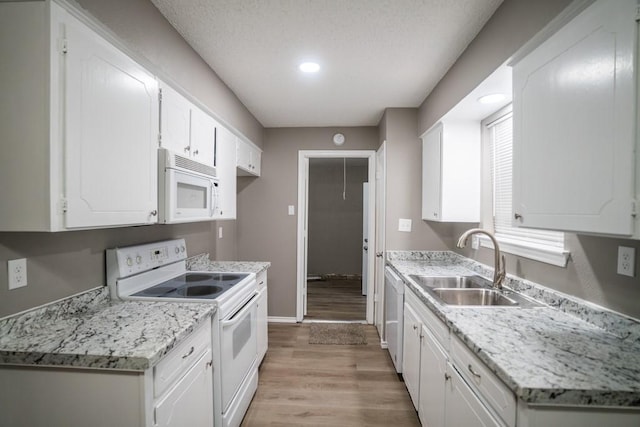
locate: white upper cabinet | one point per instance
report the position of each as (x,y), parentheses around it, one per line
(575,115)
(78,126)
(451,172)
(249,159)
(186,129)
(226,168)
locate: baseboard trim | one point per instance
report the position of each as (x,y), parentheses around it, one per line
(277,319)
(383,344)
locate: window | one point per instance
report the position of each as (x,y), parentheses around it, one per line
(541,245)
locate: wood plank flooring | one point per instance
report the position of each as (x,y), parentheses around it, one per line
(302,384)
(335,300)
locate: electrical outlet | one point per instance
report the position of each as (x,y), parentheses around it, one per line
(404,225)
(626,261)
(219,232)
(17,272)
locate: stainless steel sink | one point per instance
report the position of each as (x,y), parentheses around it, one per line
(450,281)
(470,291)
(481,297)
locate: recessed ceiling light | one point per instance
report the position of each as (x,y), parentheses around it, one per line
(491,99)
(309,67)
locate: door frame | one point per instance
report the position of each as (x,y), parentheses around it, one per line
(302,234)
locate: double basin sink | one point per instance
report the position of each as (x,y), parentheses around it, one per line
(469,291)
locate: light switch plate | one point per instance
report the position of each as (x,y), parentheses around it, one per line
(219,232)
(17,272)
(404,225)
(292,210)
(626,261)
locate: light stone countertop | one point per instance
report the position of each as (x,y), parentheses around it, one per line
(567,352)
(91,331)
(202,263)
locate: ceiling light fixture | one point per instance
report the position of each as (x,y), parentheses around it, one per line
(309,67)
(491,99)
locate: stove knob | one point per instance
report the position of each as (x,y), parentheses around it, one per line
(182,248)
(138,259)
(177,250)
(129,261)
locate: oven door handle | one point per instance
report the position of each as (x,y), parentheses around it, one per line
(237,316)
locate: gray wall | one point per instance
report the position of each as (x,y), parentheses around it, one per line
(591,271)
(335,224)
(399,128)
(62,264)
(265,232)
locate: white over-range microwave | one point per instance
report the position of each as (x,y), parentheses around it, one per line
(188,190)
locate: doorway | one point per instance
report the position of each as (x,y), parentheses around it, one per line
(335,265)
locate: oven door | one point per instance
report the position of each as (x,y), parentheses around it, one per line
(239,348)
(188,197)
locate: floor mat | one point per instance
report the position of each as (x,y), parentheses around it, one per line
(337,333)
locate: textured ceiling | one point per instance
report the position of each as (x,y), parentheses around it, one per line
(374,54)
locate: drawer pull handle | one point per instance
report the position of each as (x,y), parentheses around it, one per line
(475,374)
(415,327)
(447,377)
(191,352)
(209,363)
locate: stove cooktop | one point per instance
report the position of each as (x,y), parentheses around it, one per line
(199,285)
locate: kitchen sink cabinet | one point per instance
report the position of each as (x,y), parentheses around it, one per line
(249,159)
(178,391)
(433,380)
(186,129)
(575,115)
(451,172)
(79,125)
(443,395)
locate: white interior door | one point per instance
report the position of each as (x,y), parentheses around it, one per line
(380,189)
(365,236)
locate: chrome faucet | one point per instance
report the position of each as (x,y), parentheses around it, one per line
(498,267)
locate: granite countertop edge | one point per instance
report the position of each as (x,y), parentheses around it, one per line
(410,262)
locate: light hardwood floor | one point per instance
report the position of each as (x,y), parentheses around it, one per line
(335,300)
(304,384)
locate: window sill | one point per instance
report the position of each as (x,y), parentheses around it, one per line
(548,255)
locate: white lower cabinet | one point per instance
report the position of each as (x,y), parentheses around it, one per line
(263,324)
(463,407)
(442,396)
(433,376)
(177,392)
(189,402)
(411,353)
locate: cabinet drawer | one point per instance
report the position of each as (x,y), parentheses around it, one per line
(490,389)
(174,364)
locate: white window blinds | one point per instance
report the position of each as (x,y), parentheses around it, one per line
(500,133)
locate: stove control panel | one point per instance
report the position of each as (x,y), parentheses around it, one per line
(125,262)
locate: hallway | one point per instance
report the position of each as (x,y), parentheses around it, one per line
(304,384)
(336,300)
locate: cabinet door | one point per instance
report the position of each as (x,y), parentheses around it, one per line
(175,121)
(574,124)
(243,155)
(226,169)
(432,174)
(411,354)
(463,408)
(190,402)
(111,134)
(203,136)
(262,324)
(433,367)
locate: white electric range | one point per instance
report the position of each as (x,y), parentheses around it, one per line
(157,272)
